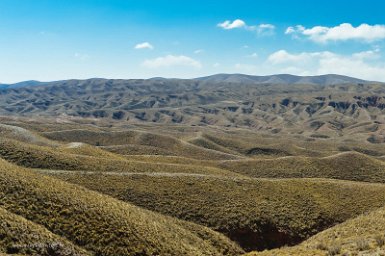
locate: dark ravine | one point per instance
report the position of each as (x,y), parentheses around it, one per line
(268,236)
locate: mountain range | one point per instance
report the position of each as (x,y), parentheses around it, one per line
(239,78)
(281,79)
(318,105)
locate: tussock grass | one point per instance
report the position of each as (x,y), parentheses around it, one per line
(101,224)
(345,166)
(170,160)
(207,143)
(261,190)
(21,236)
(76,148)
(62,158)
(165,143)
(22,134)
(258,214)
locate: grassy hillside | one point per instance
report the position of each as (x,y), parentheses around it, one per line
(22,134)
(223,143)
(21,236)
(101,224)
(261,190)
(118,141)
(345,166)
(257,214)
(91,159)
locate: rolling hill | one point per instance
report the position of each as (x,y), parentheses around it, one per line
(256,213)
(94,222)
(219,165)
(263,200)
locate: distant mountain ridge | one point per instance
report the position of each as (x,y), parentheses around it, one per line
(22,84)
(329,79)
(282,79)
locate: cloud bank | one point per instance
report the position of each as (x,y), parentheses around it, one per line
(343,32)
(172,61)
(358,64)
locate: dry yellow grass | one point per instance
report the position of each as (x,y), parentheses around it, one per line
(204,175)
(91,159)
(345,166)
(100,224)
(257,214)
(21,236)
(79,148)
(117,142)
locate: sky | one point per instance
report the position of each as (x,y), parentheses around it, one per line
(50,40)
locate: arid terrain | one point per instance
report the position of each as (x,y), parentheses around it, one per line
(220,165)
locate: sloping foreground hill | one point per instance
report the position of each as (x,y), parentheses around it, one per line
(22,236)
(345,166)
(363,235)
(100,224)
(258,214)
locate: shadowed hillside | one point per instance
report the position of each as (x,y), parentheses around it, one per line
(362,235)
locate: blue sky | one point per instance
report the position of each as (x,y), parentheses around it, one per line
(53,40)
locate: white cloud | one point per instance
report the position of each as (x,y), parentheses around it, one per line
(358,64)
(144,45)
(265,29)
(267,26)
(216,65)
(296,29)
(199,51)
(253,55)
(290,30)
(282,56)
(351,67)
(261,29)
(368,55)
(171,61)
(232,24)
(343,32)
